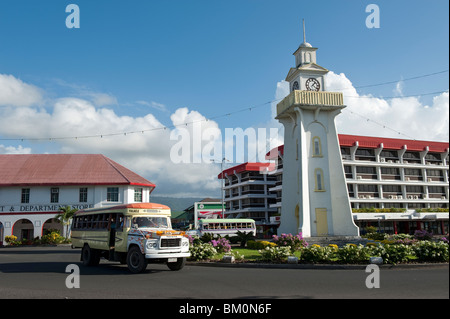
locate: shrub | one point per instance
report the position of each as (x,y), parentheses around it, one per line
(422,235)
(251,244)
(12,240)
(202,251)
(375,236)
(317,254)
(275,253)
(222,245)
(294,242)
(353,254)
(52,238)
(396,253)
(432,251)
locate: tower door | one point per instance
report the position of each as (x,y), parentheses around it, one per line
(321,222)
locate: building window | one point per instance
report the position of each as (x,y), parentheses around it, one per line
(112,194)
(317,147)
(318,174)
(83,195)
(25,196)
(138,195)
(54,195)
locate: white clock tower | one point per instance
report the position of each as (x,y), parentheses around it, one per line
(315,199)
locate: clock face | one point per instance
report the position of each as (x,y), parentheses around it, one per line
(295,86)
(312,84)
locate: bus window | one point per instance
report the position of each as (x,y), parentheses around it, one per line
(150,222)
(89,222)
(120,220)
(104,222)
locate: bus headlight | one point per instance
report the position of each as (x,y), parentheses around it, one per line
(185,242)
(151,244)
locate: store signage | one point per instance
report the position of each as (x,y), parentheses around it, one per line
(40,208)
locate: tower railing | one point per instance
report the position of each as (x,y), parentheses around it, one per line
(320,98)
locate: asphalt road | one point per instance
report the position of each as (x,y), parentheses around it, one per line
(40,272)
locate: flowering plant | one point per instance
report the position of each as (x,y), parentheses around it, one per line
(222,245)
(422,235)
(202,251)
(317,254)
(294,242)
(275,253)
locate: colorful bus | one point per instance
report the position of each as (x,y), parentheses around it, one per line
(133,234)
(224,227)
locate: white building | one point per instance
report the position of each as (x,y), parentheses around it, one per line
(408,177)
(247,195)
(34,187)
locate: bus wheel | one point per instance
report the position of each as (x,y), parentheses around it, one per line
(136,260)
(179,264)
(90,257)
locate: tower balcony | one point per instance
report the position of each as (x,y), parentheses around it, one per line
(311,100)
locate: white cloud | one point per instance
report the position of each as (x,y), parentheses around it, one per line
(154,105)
(401,117)
(102,99)
(145,148)
(14,92)
(14,150)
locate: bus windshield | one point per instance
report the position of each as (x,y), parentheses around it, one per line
(150,222)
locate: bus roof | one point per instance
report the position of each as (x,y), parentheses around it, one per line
(226,220)
(146,206)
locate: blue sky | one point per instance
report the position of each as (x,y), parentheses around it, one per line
(137,58)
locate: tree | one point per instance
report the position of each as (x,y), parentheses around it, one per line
(244,237)
(65,215)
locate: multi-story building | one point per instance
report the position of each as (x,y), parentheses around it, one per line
(34,187)
(397,185)
(247,195)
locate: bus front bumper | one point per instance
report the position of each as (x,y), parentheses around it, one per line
(167,255)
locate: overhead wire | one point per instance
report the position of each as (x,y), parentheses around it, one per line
(102,135)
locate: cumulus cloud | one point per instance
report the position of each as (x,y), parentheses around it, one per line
(182,159)
(14,92)
(400,117)
(140,143)
(14,150)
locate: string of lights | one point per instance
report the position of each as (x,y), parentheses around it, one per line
(104,135)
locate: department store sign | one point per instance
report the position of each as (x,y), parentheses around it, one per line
(40,208)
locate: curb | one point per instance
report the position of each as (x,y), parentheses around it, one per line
(313,266)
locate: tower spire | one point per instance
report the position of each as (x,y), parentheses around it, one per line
(304,33)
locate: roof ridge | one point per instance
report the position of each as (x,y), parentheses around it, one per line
(110,162)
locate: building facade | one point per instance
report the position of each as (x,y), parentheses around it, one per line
(247,195)
(34,187)
(396,185)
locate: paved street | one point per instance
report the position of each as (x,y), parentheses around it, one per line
(39,272)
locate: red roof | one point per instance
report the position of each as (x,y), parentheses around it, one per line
(127,206)
(388,143)
(65,169)
(247,167)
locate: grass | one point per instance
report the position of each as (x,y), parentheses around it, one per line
(249,254)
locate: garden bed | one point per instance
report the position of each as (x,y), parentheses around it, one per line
(397,249)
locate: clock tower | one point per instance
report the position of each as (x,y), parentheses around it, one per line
(315,200)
